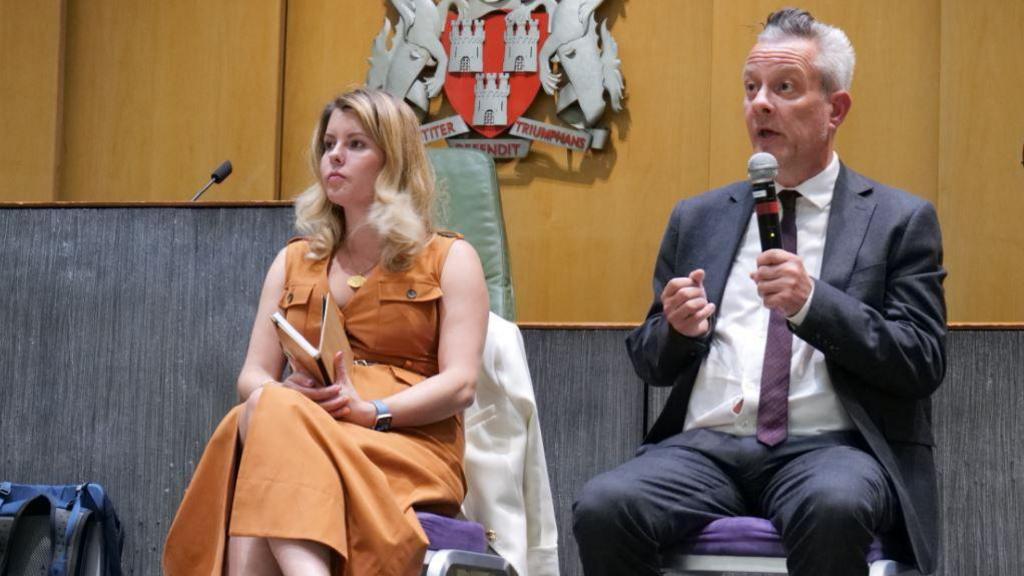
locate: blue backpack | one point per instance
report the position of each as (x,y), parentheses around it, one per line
(68,530)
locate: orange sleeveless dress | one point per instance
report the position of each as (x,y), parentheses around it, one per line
(304,475)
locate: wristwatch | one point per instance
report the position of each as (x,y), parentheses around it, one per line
(383,421)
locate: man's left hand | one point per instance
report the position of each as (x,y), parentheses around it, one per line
(782,281)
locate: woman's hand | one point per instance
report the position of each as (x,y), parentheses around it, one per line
(328,397)
(346,404)
(340,399)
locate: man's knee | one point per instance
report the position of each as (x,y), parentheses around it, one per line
(848,489)
(829,511)
(829,530)
(840,506)
(600,504)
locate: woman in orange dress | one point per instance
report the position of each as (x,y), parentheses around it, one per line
(303,479)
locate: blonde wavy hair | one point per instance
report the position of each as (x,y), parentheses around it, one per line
(404,193)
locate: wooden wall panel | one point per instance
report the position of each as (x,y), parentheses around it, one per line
(584,229)
(327,51)
(891,133)
(31,34)
(159,93)
(981,180)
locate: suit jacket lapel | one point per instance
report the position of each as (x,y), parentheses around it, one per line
(852,208)
(851,212)
(727,228)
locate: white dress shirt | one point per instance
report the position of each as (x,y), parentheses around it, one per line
(726,393)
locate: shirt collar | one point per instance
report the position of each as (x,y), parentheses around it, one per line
(818,189)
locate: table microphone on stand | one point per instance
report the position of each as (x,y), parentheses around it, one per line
(218,176)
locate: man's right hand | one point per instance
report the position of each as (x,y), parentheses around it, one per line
(686,306)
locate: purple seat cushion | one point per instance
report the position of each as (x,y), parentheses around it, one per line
(747,536)
(452,534)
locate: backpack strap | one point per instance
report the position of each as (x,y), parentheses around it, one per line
(59,520)
(7,524)
(21,533)
(110,524)
(69,539)
(70,523)
(6,527)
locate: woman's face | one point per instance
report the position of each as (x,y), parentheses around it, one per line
(350,163)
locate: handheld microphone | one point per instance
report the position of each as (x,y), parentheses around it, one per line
(762,169)
(218,176)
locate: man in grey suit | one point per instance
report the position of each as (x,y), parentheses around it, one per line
(801,376)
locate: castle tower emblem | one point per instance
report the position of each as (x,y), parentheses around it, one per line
(467,51)
(492,58)
(491,95)
(521,38)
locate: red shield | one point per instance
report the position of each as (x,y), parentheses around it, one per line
(523,86)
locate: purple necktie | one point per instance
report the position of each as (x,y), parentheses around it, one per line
(773,407)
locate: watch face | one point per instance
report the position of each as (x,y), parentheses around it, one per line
(383,421)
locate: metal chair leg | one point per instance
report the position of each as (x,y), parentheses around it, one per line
(891,568)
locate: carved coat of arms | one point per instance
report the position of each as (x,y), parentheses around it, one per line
(491,58)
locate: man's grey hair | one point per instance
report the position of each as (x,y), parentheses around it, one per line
(836,58)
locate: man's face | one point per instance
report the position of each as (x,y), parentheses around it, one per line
(787,111)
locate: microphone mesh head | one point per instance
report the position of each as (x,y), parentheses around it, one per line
(222,172)
(762,166)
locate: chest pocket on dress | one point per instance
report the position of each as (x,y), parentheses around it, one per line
(409,315)
(294,305)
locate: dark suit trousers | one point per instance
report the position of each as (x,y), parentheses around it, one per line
(826,495)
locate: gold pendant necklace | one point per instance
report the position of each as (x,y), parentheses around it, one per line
(355,281)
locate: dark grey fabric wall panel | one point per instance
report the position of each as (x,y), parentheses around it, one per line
(979,421)
(590,406)
(979,424)
(124,329)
